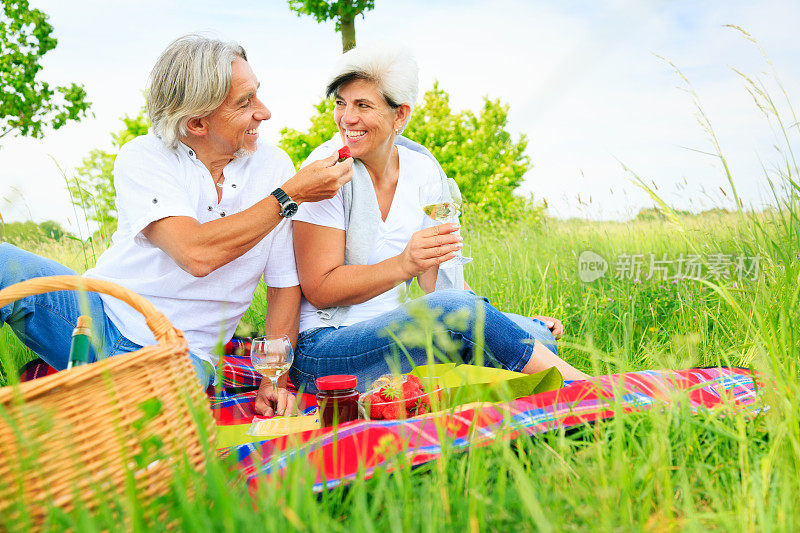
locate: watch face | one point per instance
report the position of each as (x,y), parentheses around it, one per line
(289,209)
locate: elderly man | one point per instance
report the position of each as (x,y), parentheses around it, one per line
(202,207)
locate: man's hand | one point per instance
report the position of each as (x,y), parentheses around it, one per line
(270,402)
(319,180)
(553,324)
(430,247)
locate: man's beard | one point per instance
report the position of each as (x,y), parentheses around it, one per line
(243,152)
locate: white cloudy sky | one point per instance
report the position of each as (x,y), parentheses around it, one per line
(581,77)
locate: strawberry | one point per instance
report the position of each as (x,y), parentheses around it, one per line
(425,400)
(344,153)
(390,392)
(421,410)
(394,411)
(376,411)
(411,393)
(410,390)
(415,380)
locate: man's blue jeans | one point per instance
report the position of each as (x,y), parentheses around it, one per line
(44,322)
(366,350)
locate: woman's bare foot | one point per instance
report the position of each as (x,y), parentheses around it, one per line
(542,359)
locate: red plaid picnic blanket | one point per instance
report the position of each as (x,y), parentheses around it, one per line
(337,457)
(365,445)
(229,405)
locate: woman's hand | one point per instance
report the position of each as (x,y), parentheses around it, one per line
(430,247)
(553,324)
(271,402)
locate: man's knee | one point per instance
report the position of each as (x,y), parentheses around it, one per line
(18,265)
(8,253)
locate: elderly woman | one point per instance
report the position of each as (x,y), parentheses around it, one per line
(354,250)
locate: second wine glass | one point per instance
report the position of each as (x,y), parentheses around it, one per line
(272,357)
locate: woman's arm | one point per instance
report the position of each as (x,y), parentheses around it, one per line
(328,282)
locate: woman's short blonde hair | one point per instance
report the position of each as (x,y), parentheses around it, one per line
(392,68)
(190,79)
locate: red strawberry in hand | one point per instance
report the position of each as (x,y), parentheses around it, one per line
(344,153)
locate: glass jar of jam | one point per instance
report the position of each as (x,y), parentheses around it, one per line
(337,399)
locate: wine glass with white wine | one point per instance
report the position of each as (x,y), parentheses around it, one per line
(441,200)
(272,357)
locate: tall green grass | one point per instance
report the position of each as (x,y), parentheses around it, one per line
(658,470)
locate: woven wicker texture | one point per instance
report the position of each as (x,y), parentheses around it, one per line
(75,435)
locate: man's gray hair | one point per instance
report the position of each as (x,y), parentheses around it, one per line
(191,79)
(392,68)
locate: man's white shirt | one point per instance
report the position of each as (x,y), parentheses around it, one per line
(153,182)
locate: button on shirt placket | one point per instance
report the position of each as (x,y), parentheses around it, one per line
(227,206)
(209,188)
(228,203)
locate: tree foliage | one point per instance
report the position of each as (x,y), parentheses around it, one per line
(92,189)
(28,105)
(29,231)
(344,12)
(299,144)
(474,149)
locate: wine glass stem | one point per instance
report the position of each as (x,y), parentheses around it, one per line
(274,381)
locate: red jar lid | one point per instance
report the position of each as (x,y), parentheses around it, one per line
(338,382)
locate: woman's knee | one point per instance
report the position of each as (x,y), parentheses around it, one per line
(536,329)
(454,300)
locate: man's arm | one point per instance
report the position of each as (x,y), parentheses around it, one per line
(200,249)
(283,312)
(283,318)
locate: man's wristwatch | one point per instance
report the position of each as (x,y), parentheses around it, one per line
(288,206)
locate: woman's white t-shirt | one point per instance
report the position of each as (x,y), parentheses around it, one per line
(404,218)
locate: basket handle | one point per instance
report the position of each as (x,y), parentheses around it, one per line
(163,330)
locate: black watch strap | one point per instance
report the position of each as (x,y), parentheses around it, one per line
(288,206)
(281,195)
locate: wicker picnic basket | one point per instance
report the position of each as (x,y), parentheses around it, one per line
(73,438)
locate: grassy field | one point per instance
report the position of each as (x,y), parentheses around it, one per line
(662,303)
(660,470)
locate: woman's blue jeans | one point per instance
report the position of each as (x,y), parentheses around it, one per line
(369,349)
(44,322)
